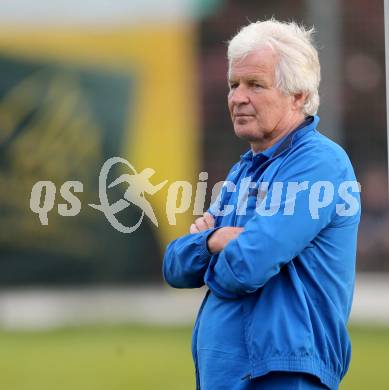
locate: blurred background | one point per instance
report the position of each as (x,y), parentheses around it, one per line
(82,305)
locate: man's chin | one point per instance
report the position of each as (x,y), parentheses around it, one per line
(246,134)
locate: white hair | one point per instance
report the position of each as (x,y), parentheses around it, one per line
(297,69)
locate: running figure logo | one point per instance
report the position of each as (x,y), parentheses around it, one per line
(138,185)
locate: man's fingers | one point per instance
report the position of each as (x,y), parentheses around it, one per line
(193,229)
(209,219)
(201,224)
(221,237)
(235,232)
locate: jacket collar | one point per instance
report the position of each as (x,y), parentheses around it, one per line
(310,123)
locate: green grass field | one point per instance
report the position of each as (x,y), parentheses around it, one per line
(140,358)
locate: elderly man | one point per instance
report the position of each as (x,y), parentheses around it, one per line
(277,248)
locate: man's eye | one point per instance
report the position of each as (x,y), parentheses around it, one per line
(233,85)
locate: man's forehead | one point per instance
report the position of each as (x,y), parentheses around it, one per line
(259,63)
(249,72)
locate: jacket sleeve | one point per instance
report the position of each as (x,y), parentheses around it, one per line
(269,242)
(186,260)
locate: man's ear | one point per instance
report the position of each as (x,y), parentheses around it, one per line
(299,100)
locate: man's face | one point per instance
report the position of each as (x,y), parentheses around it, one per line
(259,111)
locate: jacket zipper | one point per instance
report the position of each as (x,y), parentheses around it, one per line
(246,377)
(194,340)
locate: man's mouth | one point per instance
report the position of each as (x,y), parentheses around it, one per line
(242,115)
(242,119)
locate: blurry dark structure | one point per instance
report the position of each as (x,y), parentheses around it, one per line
(61,123)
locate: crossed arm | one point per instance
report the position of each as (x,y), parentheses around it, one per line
(186,259)
(220,237)
(234,262)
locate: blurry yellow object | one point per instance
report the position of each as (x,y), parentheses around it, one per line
(162,130)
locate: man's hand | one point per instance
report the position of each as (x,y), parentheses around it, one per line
(203,223)
(221,237)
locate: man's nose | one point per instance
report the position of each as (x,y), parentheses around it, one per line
(239,95)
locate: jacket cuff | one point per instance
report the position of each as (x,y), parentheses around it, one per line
(204,250)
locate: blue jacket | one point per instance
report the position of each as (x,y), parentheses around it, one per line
(285,284)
